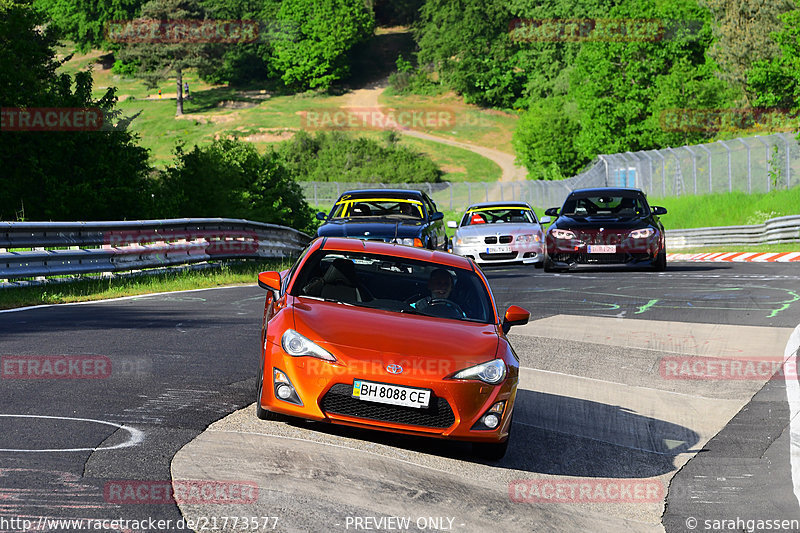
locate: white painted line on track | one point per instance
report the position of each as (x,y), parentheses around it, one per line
(121,298)
(136,436)
(793,396)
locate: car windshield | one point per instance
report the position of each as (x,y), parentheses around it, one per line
(615,205)
(349,207)
(394,284)
(498,215)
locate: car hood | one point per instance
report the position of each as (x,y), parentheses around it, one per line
(370,228)
(427,347)
(605,222)
(479,230)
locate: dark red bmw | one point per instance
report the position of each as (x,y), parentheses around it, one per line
(604,227)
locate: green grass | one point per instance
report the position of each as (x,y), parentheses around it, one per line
(728,209)
(458,164)
(100,289)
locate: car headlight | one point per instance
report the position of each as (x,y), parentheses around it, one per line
(641,233)
(409,241)
(527,238)
(562,234)
(468,240)
(491,372)
(298,346)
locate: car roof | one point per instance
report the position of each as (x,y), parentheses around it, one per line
(360,193)
(498,204)
(607,190)
(396,250)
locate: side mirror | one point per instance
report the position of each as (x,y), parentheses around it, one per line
(545,220)
(322,216)
(436,216)
(515,316)
(552,212)
(452,224)
(270,281)
(658,210)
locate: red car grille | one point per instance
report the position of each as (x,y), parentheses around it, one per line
(339,400)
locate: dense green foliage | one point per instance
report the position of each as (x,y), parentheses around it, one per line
(229,178)
(335,156)
(315,38)
(85,22)
(58,175)
(776,82)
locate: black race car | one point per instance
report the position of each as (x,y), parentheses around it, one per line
(391,215)
(605,226)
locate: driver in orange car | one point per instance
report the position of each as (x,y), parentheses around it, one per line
(440,284)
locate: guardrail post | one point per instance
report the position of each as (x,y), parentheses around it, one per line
(766,157)
(749,170)
(730,178)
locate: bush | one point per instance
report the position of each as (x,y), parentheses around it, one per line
(335,156)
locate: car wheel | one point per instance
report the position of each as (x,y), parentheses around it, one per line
(263,414)
(491,451)
(660,264)
(548,266)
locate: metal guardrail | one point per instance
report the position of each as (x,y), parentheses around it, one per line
(773,231)
(73,248)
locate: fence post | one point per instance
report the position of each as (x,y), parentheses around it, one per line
(338,193)
(730,178)
(649,168)
(749,172)
(710,185)
(663,174)
(788,160)
(450,186)
(486,186)
(694,167)
(605,162)
(316,202)
(766,157)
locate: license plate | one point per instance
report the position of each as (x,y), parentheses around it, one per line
(498,249)
(602,248)
(391,394)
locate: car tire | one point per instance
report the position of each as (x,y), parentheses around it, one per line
(547,265)
(261,413)
(660,263)
(490,451)
(540,264)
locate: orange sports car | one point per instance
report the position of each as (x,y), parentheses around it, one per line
(389,337)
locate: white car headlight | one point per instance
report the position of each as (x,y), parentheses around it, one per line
(298,346)
(642,233)
(491,372)
(469,239)
(528,238)
(562,234)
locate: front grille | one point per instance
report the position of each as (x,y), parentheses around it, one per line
(498,257)
(339,400)
(504,239)
(600,259)
(596,237)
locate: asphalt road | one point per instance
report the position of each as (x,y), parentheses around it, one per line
(592,406)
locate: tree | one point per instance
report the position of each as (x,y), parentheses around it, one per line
(168,54)
(315,38)
(544,139)
(229,178)
(61,175)
(742,37)
(776,82)
(85,22)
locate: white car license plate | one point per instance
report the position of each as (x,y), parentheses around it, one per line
(602,248)
(498,249)
(391,394)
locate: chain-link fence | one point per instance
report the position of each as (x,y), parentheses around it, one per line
(749,164)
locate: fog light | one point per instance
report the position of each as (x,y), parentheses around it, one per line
(491,421)
(284,391)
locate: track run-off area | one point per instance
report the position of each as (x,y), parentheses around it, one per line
(647,402)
